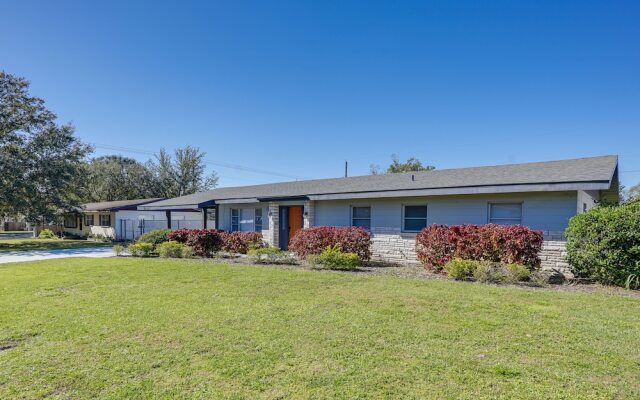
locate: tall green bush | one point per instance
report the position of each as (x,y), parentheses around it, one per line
(155,237)
(604,243)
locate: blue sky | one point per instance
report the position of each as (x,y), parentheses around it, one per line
(298,87)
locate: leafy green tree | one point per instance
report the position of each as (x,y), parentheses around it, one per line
(181,174)
(396,166)
(633,194)
(119,178)
(41,162)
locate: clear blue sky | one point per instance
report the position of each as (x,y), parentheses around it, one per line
(298,87)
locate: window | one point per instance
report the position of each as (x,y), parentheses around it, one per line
(70,221)
(415,218)
(88,220)
(235,219)
(361,217)
(505,213)
(258,220)
(105,220)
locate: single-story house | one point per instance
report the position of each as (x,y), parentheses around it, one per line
(121,220)
(395,207)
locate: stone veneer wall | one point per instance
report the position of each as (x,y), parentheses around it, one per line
(393,246)
(554,256)
(272,234)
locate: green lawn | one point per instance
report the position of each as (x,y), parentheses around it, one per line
(151,328)
(7,245)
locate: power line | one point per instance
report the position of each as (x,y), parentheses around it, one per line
(222,164)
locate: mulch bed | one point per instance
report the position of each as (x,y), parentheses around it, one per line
(417,272)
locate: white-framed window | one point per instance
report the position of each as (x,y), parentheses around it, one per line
(70,221)
(105,219)
(88,220)
(361,217)
(505,213)
(414,218)
(257,220)
(235,219)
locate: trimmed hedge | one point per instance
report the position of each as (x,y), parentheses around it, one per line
(155,237)
(173,249)
(140,249)
(240,242)
(204,242)
(47,234)
(486,271)
(333,258)
(311,241)
(438,244)
(604,244)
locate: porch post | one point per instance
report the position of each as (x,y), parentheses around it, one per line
(168,214)
(204,217)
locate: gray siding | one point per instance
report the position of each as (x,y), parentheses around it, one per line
(544,211)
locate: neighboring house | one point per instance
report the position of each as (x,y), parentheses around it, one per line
(394,207)
(121,220)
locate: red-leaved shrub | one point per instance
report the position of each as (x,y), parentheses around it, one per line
(204,242)
(437,244)
(348,239)
(240,242)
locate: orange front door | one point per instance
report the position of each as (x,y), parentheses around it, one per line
(295,220)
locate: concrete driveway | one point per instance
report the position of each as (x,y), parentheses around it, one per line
(35,255)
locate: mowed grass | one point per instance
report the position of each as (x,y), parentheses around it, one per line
(151,328)
(21,244)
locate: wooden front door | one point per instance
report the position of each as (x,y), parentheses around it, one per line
(295,220)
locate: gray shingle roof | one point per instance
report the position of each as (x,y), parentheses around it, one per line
(592,170)
(117,205)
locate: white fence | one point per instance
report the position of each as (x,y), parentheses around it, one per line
(131,229)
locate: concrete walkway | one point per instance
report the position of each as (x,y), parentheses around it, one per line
(35,255)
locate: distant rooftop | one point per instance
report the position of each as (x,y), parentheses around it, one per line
(117,205)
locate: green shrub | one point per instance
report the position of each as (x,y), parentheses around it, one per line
(140,249)
(461,270)
(271,255)
(155,237)
(187,252)
(493,272)
(632,282)
(118,249)
(518,272)
(488,272)
(47,234)
(98,237)
(172,249)
(604,243)
(333,258)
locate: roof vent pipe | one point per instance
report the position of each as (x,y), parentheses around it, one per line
(413,178)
